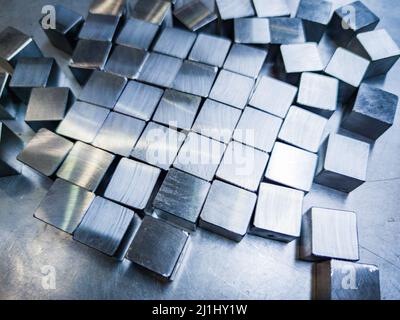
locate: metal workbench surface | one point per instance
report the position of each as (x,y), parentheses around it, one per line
(214,268)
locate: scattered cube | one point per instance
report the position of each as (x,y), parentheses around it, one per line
(153,11)
(175,42)
(108,7)
(286,31)
(301,57)
(232,9)
(10,146)
(194,15)
(252,31)
(99,27)
(137,34)
(201,50)
(271,8)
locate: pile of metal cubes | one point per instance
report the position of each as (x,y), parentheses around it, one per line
(178,126)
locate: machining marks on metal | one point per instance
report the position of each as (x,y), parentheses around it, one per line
(201,50)
(194,15)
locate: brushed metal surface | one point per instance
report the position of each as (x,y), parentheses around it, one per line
(175,42)
(245,60)
(303,129)
(138,100)
(64,205)
(158,247)
(292,167)
(103,89)
(227,210)
(160,70)
(181,198)
(200,156)
(327,48)
(252,31)
(10,146)
(232,89)
(329,234)
(231,9)
(201,50)
(153,11)
(195,78)
(137,34)
(301,57)
(119,134)
(257,129)
(99,27)
(194,15)
(177,109)
(90,54)
(278,213)
(45,152)
(107,7)
(83,121)
(273,96)
(9,103)
(271,8)
(286,30)
(104,226)
(85,166)
(216,120)
(158,145)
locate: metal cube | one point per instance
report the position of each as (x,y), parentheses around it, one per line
(201,50)
(181,198)
(327,48)
(99,27)
(9,103)
(278,213)
(329,234)
(154,11)
(45,152)
(343,280)
(227,210)
(252,31)
(137,34)
(175,42)
(342,163)
(232,9)
(373,112)
(303,57)
(286,31)
(10,146)
(108,7)
(64,206)
(194,15)
(272,8)
(245,60)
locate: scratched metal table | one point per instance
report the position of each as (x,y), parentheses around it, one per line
(214,268)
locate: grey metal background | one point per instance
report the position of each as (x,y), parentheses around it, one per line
(214,268)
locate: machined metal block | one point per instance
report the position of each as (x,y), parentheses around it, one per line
(245,60)
(216,120)
(201,50)
(257,129)
(138,100)
(301,57)
(316,16)
(47,107)
(271,8)
(103,89)
(194,15)
(99,27)
(119,134)
(252,31)
(200,156)
(342,163)
(329,234)
(34,73)
(132,183)
(350,20)
(175,42)
(10,146)
(232,89)
(159,247)
(177,109)
(65,34)
(350,69)
(303,129)
(318,93)
(378,47)
(126,61)
(137,34)
(14,45)
(243,166)
(286,30)
(181,198)
(83,121)
(343,280)
(9,103)
(278,213)
(160,70)
(292,167)
(273,96)
(85,166)
(89,55)
(228,210)
(104,226)
(158,145)
(154,11)
(195,78)
(45,152)
(108,7)
(373,112)
(232,9)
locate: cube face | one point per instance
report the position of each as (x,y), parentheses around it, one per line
(107,7)
(194,15)
(286,30)
(315,11)
(273,96)
(228,210)
(64,205)
(138,100)
(232,9)
(278,213)
(201,50)
(99,27)
(153,11)
(181,198)
(292,167)
(45,160)
(10,146)
(90,54)
(158,247)
(85,166)
(301,57)
(175,42)
(252,31)
(329,234)
(137,34)
(104,226)
(272,8)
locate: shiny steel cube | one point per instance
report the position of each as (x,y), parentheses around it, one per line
(303,57)
(10,146)
(271,8)
(108,7)
(194,15)
(286,31)
(154,11)
(175,42)
(232,9)
(252,31)
(99,27)
(137,34)
(201,50)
